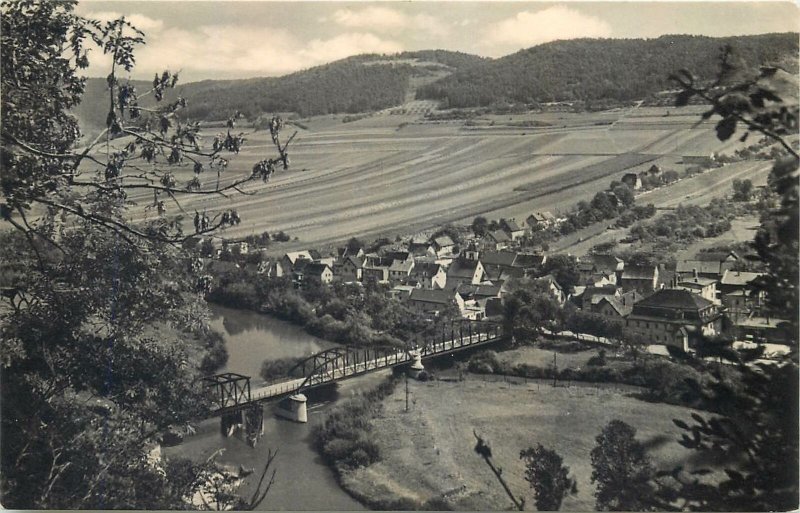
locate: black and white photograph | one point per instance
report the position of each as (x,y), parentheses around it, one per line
(399,255)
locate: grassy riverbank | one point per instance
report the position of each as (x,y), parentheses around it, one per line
(427,459)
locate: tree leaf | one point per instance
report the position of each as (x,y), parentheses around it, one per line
(725,128)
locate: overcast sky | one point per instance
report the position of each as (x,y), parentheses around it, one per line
(232,39)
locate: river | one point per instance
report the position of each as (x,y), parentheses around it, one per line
(302,482)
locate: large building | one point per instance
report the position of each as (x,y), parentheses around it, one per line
(674,317)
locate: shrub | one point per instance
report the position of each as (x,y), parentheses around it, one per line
(599,360)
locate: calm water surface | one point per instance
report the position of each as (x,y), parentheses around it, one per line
(302,481)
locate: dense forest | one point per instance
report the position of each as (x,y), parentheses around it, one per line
(600,69)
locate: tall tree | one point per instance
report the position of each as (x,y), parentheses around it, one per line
(102,333)
(621,469)
(548,476)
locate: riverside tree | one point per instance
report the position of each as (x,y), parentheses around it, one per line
(103,323)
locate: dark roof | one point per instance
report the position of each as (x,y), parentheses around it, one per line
(528,260)
(357,262)
(675,299)
(607,262)
(639,272)
(462,268)
(701,266)
(607,290)
(616,304)
(512,226)
(315,268)
(426,269)
(397,255)
(716,256)
(443,297)
(499,236)
(500,258)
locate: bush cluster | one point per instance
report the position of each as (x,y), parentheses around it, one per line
(343,439)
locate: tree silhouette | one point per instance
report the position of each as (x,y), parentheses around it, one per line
(548,476)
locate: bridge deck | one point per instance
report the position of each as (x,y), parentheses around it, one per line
(341,369)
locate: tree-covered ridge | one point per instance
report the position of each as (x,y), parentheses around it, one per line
(360,83)
(601,69)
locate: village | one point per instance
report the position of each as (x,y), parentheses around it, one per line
(458,272)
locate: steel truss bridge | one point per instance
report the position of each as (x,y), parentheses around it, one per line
(231,392)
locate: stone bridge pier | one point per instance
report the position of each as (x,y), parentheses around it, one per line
(293,408)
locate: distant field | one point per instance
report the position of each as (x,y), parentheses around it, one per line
(395,174)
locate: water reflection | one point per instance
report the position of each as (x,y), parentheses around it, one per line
(252,338)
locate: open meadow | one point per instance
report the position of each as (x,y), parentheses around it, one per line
(427,452)
(390,174)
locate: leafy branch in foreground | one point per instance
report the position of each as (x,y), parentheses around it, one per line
(104,332)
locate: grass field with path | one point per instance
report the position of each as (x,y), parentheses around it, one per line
(428,451)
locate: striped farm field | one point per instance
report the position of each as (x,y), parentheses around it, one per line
(397,174)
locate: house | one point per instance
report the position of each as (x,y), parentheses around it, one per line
(737,280)
(499,275)
(497,240)
(434,301)
(317,272)
(529,261)
(601,279)
(400,292)
(290,259)
(400,269)
(429,275)
(443,245)
(703,268)
(540,220)
(632,180)
(617,307)
(705,287)
(555,289)
(607,263)
(737,295)
(514,230)
(674,317)
(464,271)
(643,279)
(351,269)
(274,269)
(590,296)
(376,267)
(498,258)
(763,330)
(344,252)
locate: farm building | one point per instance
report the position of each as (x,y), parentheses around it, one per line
(539,220)
(350,269)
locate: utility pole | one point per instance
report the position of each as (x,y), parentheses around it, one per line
(555,369)
(406,392)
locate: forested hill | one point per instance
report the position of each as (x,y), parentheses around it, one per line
(600,69)
(356,84)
